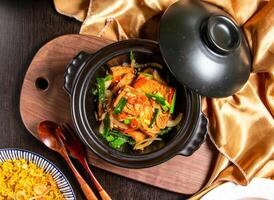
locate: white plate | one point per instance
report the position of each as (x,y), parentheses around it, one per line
(257,189)
(62,182)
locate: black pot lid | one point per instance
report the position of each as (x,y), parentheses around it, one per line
(204,48)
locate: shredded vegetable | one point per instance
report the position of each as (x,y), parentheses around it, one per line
(176,121)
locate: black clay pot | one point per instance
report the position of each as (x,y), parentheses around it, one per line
(80,79)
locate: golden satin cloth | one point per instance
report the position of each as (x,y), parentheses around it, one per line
(242,125)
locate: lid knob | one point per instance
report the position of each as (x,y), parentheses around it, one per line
(222,35)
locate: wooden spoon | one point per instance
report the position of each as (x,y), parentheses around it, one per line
(77,150)
(47,133)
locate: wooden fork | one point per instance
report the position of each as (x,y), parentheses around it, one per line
(78,150)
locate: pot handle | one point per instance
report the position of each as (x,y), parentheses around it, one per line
(197,138)
(73,68)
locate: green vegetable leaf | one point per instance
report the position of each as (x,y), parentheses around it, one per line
(106,126)
(109,138)
(164,131)
(131,142)
(118,134)
(108,77)
(117,143)
(95,92)
(119,139)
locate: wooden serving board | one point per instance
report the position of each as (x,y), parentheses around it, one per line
(43,98)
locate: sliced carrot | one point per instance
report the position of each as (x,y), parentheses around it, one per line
(129,130)
(152,102)
(131,100)
(134,123)
(140,81)
(122,116)
(141,99)
(170,95)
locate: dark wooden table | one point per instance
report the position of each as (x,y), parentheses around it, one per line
(24,27)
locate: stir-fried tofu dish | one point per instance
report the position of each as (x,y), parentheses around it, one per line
(135,105)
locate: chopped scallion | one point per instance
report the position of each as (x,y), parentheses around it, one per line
(156,112)
(120,106)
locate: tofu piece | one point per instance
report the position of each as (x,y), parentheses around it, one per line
(126,80)
(152,86)
(121,70)
(138,136)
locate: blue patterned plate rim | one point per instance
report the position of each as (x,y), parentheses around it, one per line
(51,168)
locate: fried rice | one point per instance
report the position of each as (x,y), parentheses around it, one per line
(23,180)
